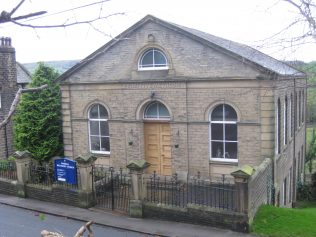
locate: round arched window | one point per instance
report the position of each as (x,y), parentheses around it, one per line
(223,135)
(153,59)
(99,129)
(156,110)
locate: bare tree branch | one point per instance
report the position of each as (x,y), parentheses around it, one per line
(16,8)
(67,24)
(6,17)
(16,101)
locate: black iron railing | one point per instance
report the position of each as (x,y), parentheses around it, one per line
(111,188)
(8,169)
(170,191)
(44,175)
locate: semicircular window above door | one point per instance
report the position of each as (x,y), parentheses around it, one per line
(156,111)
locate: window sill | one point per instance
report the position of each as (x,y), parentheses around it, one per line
(100,152)
(224,161)
(153,69)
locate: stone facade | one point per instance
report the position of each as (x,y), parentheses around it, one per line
(201,75)
(8,88)
(12,76)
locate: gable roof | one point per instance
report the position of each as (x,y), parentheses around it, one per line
(243,52)
(22,74)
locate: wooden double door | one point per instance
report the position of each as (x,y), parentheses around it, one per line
(158,147)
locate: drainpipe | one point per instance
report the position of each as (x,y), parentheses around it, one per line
(294,144)
(186,101)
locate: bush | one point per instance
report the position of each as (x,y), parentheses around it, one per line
(38,123)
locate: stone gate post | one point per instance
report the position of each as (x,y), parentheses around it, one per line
(137,168)
(85,180)
(22,161)
(241,177)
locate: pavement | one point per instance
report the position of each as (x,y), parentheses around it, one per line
(116,220)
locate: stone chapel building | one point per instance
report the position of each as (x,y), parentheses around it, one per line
(186,102)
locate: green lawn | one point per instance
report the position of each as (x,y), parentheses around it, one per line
(285,222)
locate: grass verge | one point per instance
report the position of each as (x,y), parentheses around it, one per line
(285,222)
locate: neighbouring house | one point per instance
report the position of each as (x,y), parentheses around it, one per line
(186,102)
(12,76)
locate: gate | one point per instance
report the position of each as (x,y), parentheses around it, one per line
(111,188)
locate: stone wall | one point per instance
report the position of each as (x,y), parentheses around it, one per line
(199,215)
(8,88)
(260,187)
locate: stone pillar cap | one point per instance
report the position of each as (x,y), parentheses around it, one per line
(245,172)
(85,158)
(22,155)
(137,165)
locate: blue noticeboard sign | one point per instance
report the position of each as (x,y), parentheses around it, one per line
(66,171)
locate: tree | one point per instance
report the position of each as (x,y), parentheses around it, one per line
(65,20)
(306,16)
(38,123)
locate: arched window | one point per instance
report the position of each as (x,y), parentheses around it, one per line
(156,110)
(285,120)
(99,129)
(299,108)
(153,59)
(223,133)
(291,115)
(278,115)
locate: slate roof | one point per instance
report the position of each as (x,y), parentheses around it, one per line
(241,51)
(246,52)
(23,75)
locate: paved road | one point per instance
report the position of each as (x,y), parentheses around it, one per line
(15,222)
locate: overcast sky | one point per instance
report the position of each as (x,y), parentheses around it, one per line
(244,21)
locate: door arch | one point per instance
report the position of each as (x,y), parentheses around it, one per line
(157,138)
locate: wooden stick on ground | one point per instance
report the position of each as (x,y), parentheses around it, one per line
(79,233)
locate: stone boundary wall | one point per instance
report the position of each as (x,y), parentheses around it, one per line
(260,187)
(8,186)
(201,215)
(54,194)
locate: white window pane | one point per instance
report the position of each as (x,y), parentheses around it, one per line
(230,113)
(231,132)
(103,112)
(231,150)
(94,112)
(159,58)
(94,128)
(217,114)
(217,150)
(152,111)
(147,59)
(217,131)
(95,143)
(104,128)
(105,144)
(163,111)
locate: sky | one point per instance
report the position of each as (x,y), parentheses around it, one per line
(251,22)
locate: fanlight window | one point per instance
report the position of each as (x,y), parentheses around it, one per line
(99,129)
(156,110)
(153,59)
(223,134)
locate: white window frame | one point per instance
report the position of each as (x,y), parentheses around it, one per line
(223,141)
(155,66)
(100,136)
